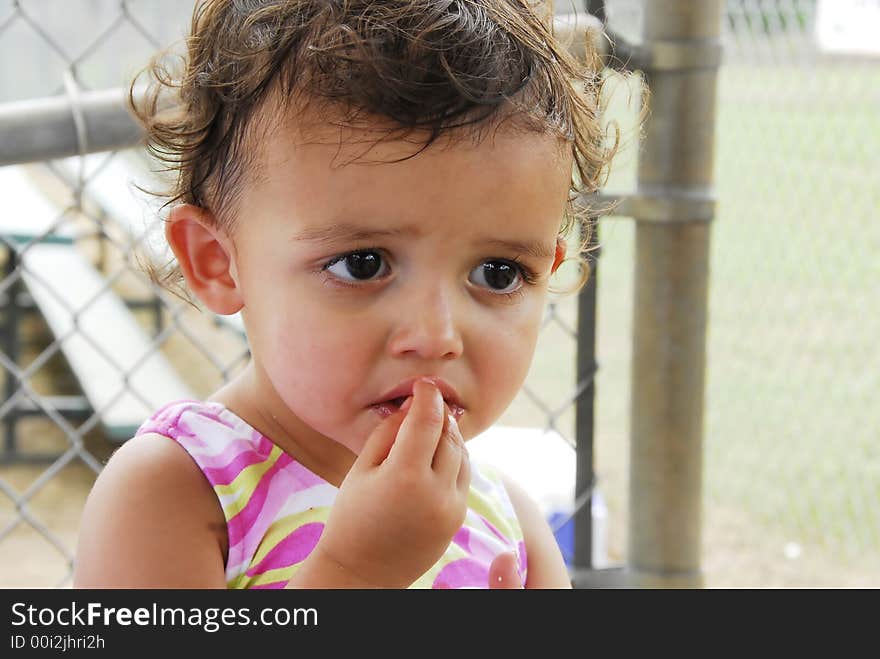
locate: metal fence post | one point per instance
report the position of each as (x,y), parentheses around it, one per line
(680,56)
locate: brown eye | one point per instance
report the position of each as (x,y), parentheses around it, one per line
(357,266)
(497,276)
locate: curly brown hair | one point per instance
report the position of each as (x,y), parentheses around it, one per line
(430,67)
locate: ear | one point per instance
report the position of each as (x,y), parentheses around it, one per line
(561,248)
(205,254)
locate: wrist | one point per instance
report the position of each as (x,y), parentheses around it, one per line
(322,570)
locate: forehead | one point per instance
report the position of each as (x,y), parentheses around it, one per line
(323,168)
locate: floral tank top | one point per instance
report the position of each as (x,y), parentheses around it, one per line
(275,508)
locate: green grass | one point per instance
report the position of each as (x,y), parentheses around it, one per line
(794,376)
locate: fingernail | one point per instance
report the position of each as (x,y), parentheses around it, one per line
(428,382)
(432,391)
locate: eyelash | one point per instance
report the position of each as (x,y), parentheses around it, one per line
(529,276)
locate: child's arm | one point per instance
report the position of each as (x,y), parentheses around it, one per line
(151,521)
(546,567)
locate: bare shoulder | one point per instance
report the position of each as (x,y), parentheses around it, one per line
(546,567)
(151,521)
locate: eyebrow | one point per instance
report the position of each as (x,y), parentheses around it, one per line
(531,248)
(344,231)
(340,231)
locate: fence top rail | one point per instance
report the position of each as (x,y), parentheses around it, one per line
(61,126)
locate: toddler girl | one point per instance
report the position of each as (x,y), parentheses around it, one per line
(382,189)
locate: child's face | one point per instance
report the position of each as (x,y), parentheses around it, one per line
(357,278)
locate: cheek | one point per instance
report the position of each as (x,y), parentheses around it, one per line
(503,359)
(513,353)
(319,376)
(316,361)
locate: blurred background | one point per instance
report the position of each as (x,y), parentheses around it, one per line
(790,478)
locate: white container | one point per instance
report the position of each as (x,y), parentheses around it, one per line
(544,464)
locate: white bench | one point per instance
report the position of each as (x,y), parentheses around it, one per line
(123,376)
(27,215)
(115,183)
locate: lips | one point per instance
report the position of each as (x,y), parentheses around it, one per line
(391,401)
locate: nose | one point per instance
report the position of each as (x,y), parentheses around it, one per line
(427,327)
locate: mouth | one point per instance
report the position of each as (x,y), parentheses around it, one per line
(393,401)
(388,407)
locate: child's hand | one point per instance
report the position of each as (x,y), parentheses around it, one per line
(404,497)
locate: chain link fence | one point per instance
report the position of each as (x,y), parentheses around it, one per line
(90,345)
(792,461)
